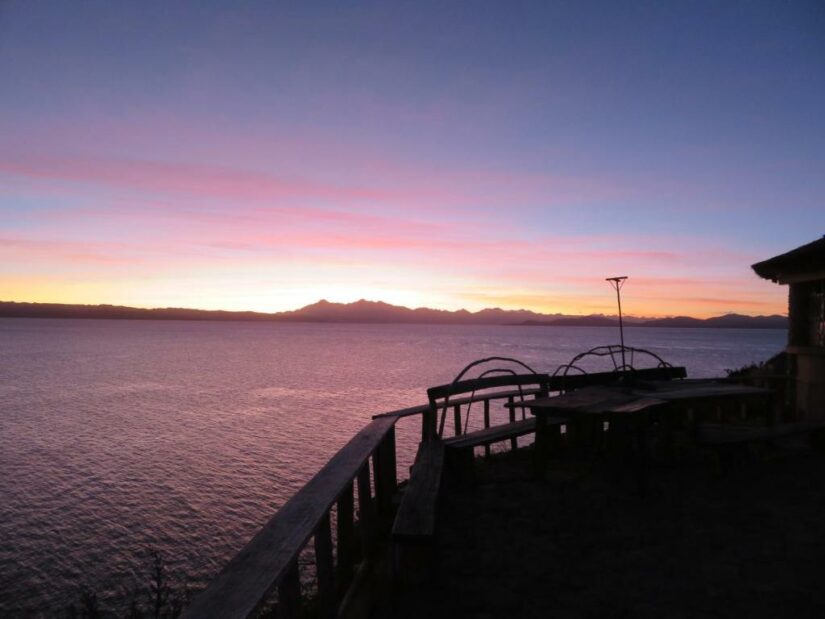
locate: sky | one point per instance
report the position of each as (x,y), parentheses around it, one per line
(262,156)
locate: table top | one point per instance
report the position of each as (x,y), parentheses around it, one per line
(623,398)
(673,390)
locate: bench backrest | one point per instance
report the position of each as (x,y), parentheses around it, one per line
(569,382)
(485,388)
(624,361)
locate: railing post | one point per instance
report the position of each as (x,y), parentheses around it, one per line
(324,565)
(457,419)
(366,517)
(487,425)
(346,540)
(289,592)
(429,423)
(510,402)
(386,475)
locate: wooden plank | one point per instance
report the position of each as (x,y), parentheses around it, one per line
(416,516)
(405,412)
(596,400)
(488,382)
(325,569)
(494,395)
(389,466)
(512,411)
(604,399)
(578,381)
(386,476)
(499,433)
(481,397)
(702,391)
(289,592)
(249,578)
(637,405)
(429,424)
(487,425)
(346,540)
(366,511)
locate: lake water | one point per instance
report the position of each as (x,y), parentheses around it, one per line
(119,436)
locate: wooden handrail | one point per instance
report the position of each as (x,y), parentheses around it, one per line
(488,382)
(270,558)
(404,412)
(479,397)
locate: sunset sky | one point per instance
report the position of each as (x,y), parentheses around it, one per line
(266,155)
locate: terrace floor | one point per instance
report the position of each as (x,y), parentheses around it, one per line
(584,544)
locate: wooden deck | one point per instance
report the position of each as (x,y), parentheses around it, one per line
(348,509)
(583,545)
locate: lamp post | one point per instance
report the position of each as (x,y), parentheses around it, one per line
(617,283)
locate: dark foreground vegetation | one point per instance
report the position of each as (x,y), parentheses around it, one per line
(157,598)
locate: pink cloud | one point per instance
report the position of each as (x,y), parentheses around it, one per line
(70,251)
(176,178)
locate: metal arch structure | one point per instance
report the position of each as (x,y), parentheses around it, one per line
(618,355)
(488,360)
(485,373)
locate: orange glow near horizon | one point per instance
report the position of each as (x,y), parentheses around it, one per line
(204,295)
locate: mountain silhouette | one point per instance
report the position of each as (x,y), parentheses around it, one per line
(378,312)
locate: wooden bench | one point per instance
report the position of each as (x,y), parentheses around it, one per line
(413,532)
(461,449)
(492,435)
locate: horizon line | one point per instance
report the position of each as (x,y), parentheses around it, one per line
(364,300)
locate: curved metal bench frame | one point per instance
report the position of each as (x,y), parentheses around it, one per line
(611,350)
(489,372)
(614,351)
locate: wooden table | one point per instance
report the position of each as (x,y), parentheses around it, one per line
(631,405)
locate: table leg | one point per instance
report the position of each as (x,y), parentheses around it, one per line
(541,452)
(642,456)
(618,436)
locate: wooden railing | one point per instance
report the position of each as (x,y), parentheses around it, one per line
(270,560)
(428,422)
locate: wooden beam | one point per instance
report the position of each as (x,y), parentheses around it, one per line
(325,569)
(415,520)
(346,540)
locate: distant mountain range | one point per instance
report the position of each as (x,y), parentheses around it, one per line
(379,312)
(728,321)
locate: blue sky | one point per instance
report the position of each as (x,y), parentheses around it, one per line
(263,155)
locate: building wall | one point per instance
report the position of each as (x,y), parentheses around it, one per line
(810,383)
(806,344)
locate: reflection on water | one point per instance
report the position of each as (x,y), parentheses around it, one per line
(116,436)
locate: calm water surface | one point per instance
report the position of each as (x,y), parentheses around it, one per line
(117,436)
